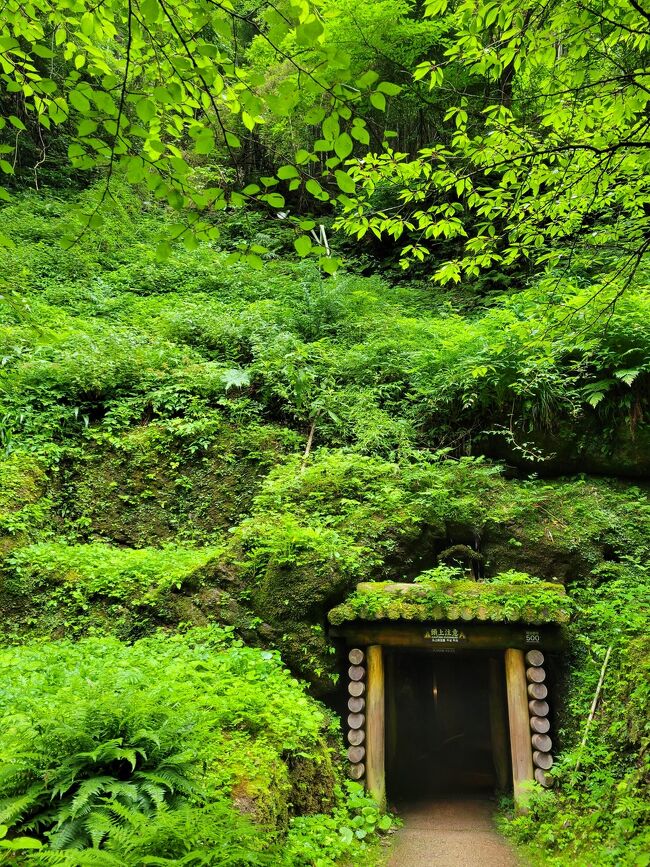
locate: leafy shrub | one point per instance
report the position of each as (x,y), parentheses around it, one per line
(600,812)
(91,733)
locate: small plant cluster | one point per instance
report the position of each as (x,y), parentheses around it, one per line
(50,586)
(115,753)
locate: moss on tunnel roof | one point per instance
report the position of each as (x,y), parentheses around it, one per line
(537,602)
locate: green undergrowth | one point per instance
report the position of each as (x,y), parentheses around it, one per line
(104,334)
(51,586)
(160,748)
(600,811)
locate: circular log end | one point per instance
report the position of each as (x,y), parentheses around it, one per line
(357,771)
(356,672)
(542,760)
(544,779)
(542,743)
(537,690)
(356,720)
(356,688)
(356,737)
(535,675)
(538,708)
(356,656)
(356,754)
(535,657)
(539,724)
(356,705)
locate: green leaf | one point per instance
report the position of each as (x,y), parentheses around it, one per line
(42,51)
(378,100)
(236,377)
(361,134)
(163,251)
(79,101)
(145,109)
(309,32)
(86,127)
(343,146)
(87,24)
(329,264)
(21,843)
(303,245)
(286,172)
(275,200)
(150,10)
(205,143)
(315,115)
(389,88)
(345,182)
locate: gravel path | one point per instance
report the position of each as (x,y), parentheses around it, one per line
(450,832)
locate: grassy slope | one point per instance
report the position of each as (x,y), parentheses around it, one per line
(155,416)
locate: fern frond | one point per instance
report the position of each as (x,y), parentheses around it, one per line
(70,835)
(85,798)
(13,809)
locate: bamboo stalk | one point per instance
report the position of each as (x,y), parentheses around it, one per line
(594,705)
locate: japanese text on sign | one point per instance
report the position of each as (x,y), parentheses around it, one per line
(445,636)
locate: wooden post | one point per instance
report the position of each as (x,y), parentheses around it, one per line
(520,745)
(375,774)
(498,726)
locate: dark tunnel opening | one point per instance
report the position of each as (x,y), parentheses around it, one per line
(446,725)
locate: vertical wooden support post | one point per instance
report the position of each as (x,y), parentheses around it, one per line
(520,746)
(498,725)
(375,736)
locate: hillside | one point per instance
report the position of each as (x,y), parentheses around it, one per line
(324,433)
(157,476)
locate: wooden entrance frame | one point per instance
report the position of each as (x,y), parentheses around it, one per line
(523,650)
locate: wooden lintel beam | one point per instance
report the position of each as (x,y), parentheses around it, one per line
(469,636)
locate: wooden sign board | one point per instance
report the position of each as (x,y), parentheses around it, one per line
(450,637)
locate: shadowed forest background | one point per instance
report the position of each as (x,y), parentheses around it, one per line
(295,296)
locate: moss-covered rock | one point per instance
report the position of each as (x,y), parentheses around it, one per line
(25,510)
(157,481)
(54,588)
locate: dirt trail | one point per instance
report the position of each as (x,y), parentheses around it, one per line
(450,832)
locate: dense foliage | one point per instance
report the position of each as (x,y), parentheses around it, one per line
(100,752)
(345,294)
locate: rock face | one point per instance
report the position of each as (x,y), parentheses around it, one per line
(286,544)
(156,482)
(624,452)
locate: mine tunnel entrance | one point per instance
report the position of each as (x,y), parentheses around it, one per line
(446,724)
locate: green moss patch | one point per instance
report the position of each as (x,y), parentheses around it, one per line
(500,600)
(24,507)
(54,587)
